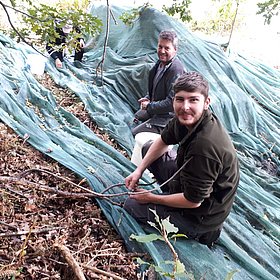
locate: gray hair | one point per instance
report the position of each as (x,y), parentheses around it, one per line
(191,82)
(171,36)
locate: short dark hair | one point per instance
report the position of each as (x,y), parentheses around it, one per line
(191,82)
(171,36)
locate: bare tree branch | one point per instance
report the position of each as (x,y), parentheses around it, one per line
(18,33)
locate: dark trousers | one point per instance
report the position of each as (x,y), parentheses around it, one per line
(77,57)
(79,54)
(163,168)
(145,125)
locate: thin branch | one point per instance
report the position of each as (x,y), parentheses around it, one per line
(232,26)
(61,193)
(45,188)
(101,63)
(123,184)
(106,273)
(174,253)
(19,11)
(25,232)
(113,17)
(13,27)
(22,174)
(16,192)
(7,225)
(8,193)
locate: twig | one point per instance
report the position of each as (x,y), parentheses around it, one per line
(19,11)
(8,193)
(54,175)
(15,192)
(122,184)
(96,270)
(46,188)
(22,251)
(24,232)
(232,26)
(7,225)
(40,187)
(101,63)
(71,261)
(174,253)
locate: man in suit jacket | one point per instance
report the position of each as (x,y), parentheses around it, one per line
(156,107)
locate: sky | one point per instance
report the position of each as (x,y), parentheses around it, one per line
(254,39)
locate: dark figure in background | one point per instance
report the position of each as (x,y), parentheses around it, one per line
(58,53)
(200,196)
(156,107)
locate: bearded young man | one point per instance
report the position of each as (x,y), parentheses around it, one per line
(200,196)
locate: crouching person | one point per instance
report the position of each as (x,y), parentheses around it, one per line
(200,196)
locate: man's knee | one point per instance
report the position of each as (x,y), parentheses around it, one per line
(146,147)
(209,238)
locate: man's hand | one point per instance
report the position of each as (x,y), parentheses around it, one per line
(144,104)
(143,99)
(132,180)
(144,197)
(58,63)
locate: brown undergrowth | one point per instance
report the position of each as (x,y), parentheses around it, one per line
(38,228)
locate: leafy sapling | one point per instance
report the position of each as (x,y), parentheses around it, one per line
(167,231)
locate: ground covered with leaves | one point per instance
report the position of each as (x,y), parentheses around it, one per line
(48,228)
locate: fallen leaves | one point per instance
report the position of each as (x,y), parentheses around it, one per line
(33,222)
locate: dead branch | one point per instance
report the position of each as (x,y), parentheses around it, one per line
(74,195)
(7,225)
(101,63)
(98,195)
(16,192)
(96,270)
(22,174)
(25,232)
(71,261)
(46,188)
(8,193)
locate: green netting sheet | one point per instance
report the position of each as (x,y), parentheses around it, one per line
(245,95)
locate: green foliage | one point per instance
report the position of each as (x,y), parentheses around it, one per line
(219,19)
(146,238)
(180,8)
(167,231)
(268,9)
(39,21)
(132,15)
(42,21)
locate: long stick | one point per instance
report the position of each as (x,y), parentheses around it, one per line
(25,232)
(96,270)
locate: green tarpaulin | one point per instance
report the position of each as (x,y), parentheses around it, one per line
(245,96)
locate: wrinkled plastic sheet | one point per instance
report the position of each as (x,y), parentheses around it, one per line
(245,95)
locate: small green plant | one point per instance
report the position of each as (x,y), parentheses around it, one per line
(167,231)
